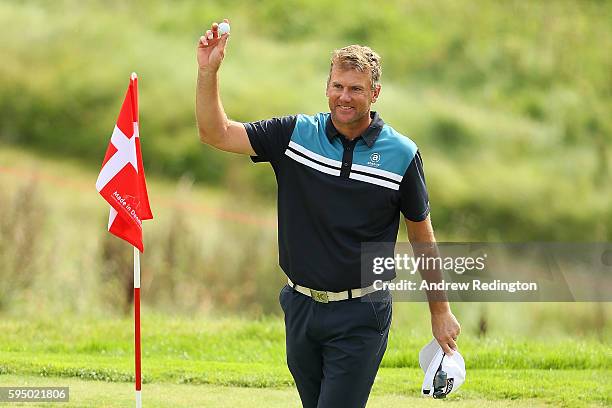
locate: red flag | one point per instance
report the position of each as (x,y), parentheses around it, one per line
(122,180)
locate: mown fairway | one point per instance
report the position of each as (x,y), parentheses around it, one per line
(240,363)
(162,395)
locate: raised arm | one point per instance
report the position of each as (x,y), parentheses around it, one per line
(214,127)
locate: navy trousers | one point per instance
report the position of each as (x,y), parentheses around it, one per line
(334,349)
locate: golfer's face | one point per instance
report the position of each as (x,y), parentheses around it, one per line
(350,95)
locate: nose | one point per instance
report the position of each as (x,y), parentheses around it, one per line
(345,96)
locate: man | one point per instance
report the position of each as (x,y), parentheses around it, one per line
(343,179)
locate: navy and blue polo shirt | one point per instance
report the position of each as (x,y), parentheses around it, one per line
(335,194)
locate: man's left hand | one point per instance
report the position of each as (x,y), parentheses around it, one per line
(445,329)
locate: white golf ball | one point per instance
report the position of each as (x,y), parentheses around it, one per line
(224,28)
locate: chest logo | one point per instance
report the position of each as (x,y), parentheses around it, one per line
(374,160)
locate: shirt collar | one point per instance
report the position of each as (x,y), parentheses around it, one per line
(369,136)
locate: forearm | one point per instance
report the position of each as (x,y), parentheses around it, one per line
(423,243)
(437,299)
(211,118)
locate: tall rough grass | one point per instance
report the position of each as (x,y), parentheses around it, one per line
(544,63)
(509,102)
(22,219)
(227,267)
(57,259)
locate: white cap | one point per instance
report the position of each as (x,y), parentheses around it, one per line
(432,358)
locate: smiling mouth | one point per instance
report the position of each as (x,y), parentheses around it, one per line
(345,108)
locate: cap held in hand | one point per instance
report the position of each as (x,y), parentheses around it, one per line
(443,373)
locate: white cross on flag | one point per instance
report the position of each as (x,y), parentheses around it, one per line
(122,180)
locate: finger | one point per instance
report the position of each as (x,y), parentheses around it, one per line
(215,30)
(447,350)
(452,344)
(209,35)
(224,39)
(203,41)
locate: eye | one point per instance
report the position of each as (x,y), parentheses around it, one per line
(337,86)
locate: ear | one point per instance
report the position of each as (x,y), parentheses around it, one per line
(375,93)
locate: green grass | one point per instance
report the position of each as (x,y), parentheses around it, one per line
(234,352)
(163,395)
(226,340)
(511,98)
(205,230)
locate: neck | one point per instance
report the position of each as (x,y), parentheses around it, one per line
(353,130)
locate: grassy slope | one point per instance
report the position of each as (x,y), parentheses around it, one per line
(65,193)
(69,279)
(505,98)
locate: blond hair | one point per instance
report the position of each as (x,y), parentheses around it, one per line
(360,58)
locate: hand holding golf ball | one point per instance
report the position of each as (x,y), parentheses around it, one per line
(224,28)
(211,47)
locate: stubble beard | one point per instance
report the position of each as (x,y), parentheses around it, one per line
(356,119)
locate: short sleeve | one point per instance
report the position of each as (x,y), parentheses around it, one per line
(414,200)
(269,138)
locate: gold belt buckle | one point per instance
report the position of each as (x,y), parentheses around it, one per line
(319,296)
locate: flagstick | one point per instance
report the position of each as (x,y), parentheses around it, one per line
(137,325)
